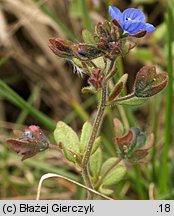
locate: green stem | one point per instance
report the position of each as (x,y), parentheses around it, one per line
(87,180)
(93,136)
(107,171)
(95,130)
(96,126)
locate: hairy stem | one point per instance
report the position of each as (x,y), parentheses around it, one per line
(95,130)
(107,171)
(87,180)
(93,136)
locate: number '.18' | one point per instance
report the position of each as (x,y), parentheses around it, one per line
(164,208)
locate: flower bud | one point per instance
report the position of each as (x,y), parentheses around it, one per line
(85,52)
(96,78)
(133,145)
(29,141)
(61,47)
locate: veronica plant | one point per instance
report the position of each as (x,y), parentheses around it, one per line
(96,57)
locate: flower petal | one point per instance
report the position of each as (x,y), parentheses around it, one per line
(115,13)
(134,27)
(133,14)
(149,27)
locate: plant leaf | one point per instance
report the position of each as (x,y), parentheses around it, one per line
(84,138)
(116,91)
(135,101)
(115,175)
(95,164)
(105,191)
(67,136)
(118,87)
(148,82)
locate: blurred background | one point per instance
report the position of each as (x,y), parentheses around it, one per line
(36,87)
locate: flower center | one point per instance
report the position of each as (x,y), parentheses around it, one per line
(127,18)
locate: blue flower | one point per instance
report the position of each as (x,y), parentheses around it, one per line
(131,20)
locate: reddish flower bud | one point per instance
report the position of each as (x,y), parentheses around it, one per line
(29,141)
(115,47)
(61,47)
(101,29)
(96,78)
(133,145)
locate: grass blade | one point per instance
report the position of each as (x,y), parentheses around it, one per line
(164,175)
(13,97)
(86,18)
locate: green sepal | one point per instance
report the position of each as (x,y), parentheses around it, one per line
(88,90)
